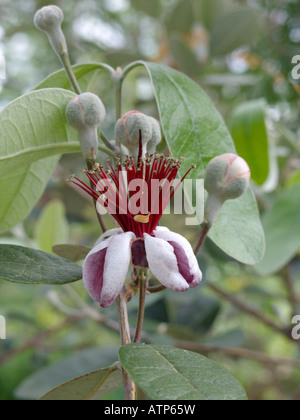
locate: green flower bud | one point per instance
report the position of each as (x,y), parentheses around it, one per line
(227,177)
(156,136)
(49,20)
(128,129)
(85,113)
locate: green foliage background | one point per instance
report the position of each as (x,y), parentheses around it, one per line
(240,52)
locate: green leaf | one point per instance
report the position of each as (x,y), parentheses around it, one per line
(85,73)
(249,132)
(282,227)
(168,373)
(76,365)
(21,189)
(52,227)
(71,252)
(29,266)
(92,386)
(194,129)
(34,127)
(240,221)
(235,29)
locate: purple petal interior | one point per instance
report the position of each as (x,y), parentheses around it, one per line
(182,261)
(93,273)
(138,254)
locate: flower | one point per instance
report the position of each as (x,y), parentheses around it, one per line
(168,255)
(140,242)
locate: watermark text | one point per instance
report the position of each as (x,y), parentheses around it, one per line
(2,328)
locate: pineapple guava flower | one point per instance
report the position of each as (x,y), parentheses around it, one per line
(139,242)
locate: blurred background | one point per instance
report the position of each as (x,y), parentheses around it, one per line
(240,52)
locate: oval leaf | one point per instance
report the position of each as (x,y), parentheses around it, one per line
(195,130)
(168,373)
(84,73)
(240,221)
(78,364)
(34,127)
(71,252)
(29,266)
(21,189)
(249,132)
(92,386)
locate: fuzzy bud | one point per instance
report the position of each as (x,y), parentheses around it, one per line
(49,20)
(156,136)
(128,129)
(85,113)
(227,177)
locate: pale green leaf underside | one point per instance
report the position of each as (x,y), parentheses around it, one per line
(84,74)
(21,189)
(167,373)
(34,127)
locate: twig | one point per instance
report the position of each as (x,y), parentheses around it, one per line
(156,289)
(129,385)
(236,352)
(38,339)
(290,286)
(142,280)
(99,216)
(205,228)
(250,310)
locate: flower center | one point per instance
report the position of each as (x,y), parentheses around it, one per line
(135,194)
(138,255)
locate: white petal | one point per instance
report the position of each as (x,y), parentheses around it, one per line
(169,236)
(116,266)
(92,270)
(107,235)
(163,264)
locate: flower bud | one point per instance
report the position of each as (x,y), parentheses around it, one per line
(156,136)
(49,20)
(129,128)
(85,113)
(227,177)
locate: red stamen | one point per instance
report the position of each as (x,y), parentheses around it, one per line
(112,189)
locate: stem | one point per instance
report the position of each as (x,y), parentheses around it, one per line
(118,80)
(156,289)
(236,352)
(203,235)
(143,291)
(107,144)
(129,385)
(291,290)
(99,216)
(118,92)
(65,60)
